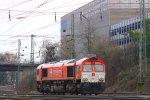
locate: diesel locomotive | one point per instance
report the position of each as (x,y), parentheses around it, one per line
(84,76)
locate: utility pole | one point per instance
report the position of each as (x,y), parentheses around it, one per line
(32,61)
(32,49)
(18,69)
(88,33)
(72,37)
(142,44)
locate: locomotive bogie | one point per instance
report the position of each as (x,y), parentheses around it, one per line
(92,88)
(58,87)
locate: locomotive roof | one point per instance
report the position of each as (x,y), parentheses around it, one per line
(73,60)
(67,61)
(54,64)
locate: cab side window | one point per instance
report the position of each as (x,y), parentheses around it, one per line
(44,72)
(70,71)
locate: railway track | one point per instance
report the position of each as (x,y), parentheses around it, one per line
(109,96)
(8,93)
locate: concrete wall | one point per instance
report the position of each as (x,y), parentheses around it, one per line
(117,15)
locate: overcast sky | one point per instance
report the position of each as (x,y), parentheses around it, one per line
(21,18)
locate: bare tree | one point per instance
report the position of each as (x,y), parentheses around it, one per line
(8,58)
(65,48)
(50,52)
(2,58)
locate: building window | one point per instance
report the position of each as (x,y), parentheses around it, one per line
(132,26)
(101,17)
(128,27)
(64,25)
(125,29)
(119,30)
(122,29)
(119,41)
(115,32)
(124,41)
(128,39)
(136,26)
(139,25)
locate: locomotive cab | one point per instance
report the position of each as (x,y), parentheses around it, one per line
(92,76)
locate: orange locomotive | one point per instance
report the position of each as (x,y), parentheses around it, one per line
(86,75)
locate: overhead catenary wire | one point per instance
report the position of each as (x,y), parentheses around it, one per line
(41,13)
(89,12)
(38,13)
(2,1)
(29,31)
(26,16)
(8,43)
(14,3)
(17,4)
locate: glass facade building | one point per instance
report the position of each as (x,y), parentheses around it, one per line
(119,32)
(109,19)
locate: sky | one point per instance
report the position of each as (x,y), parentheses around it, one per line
(21,18)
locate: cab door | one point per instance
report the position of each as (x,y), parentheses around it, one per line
(78,72)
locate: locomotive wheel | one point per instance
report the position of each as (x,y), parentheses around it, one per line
(96,93)
(54,93)
(63,93)
(71,93)
(77,93)
(83,93)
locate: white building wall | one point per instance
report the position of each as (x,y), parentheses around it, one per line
(127,3)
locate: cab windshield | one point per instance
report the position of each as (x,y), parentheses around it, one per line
(99,68)
(87,67)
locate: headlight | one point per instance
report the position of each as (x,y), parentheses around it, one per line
(101,79)
(85,79)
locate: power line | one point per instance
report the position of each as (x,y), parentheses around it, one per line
(59,5)
(8,43)
(2,1)
(43,11)
(39,13)
(16,23)
(13,3)
(26,16)
(40,28)
(31,31)
(18,4)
